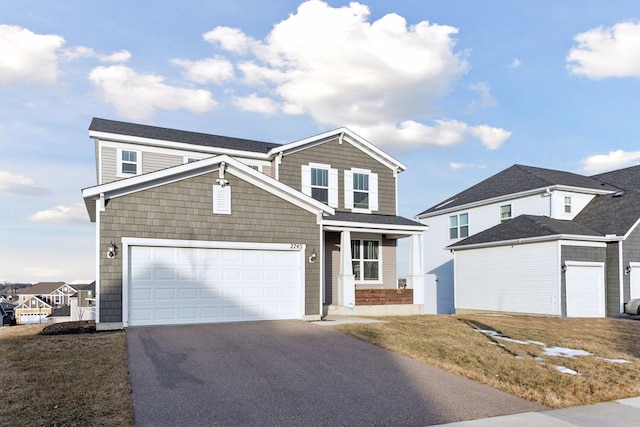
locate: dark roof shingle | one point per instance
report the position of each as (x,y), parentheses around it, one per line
(174,135)
(611,213)
(527,226)
(627,178)
(373,219)
(516,179)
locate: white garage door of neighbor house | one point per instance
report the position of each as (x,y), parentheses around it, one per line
(170,285)
(585,290)
(634,279)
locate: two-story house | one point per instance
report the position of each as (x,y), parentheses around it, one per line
(537,241)
(197,228)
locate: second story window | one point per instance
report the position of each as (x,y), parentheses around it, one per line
(459,226)
(129,162)
(505,213)
(320,184)
(320,181)
(567,204)
(361,191)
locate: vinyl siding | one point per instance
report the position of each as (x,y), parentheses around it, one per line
(183,210)
(341,157)
(578,203)
(152,162)
(512,279)
(109,165)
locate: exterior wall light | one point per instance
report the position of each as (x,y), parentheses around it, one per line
(563,268)
(112,250)
(627,270)
(313,257)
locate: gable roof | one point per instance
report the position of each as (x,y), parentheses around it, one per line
(518,179)
(103,128)
(528,227)
(626,179)
(42,288)
(27,304)
(175,173)
(344,135)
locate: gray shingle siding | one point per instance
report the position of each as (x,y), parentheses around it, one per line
(585,254)
(183,210)
(342,157)
(612,278)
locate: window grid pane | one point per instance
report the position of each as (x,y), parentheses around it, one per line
(319,177)
(361,181)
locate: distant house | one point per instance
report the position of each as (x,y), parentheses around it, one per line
(56,294)
(33,310)
(537,241)
(62,314)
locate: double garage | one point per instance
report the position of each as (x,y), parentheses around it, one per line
(172,282)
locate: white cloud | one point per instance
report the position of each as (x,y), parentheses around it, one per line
(87,52)
(515,63)
(210,70)
(137,96)
(230,39)
(457,166)
(381,78)
(613,160)
(492,138)
(256,104)
(485,101)
(445,133)
(27,56)
(70,214)
(607,52)
(20,185)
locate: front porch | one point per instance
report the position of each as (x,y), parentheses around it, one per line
(360,266)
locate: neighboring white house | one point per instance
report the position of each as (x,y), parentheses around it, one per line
(518,190)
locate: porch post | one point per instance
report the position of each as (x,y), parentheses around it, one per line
(346,279)
(415,278)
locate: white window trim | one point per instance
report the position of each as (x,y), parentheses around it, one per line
(458,226)
(119,162)
(380,280)
(373,190)
(510,212)
(332,181)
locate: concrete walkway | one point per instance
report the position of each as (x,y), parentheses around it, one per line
(625,412)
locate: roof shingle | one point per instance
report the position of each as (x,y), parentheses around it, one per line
(174,135)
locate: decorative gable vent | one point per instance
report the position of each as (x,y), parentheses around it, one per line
(222,199)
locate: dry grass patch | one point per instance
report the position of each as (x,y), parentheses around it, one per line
(521,368)
(70,380)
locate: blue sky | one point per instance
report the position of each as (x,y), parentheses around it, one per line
(456,90)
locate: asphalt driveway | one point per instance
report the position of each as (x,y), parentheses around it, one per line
(293,373)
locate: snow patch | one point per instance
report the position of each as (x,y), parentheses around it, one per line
(566,370)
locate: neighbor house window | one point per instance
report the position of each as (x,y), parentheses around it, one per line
(505,213)
(459,226)
(361,190)
(567,204)
(320,184)
(320,181)
(129,162)
(365,258)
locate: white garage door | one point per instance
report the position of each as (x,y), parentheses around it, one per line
(169,285)
(585,290)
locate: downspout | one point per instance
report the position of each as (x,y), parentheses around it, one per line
(100,207)
(278,161)
(621,275)
(551,210)
(322,261)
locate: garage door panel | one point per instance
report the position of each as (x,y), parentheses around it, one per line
(187,285)
(585,291)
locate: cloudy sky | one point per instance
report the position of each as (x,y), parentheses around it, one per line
(456,90)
